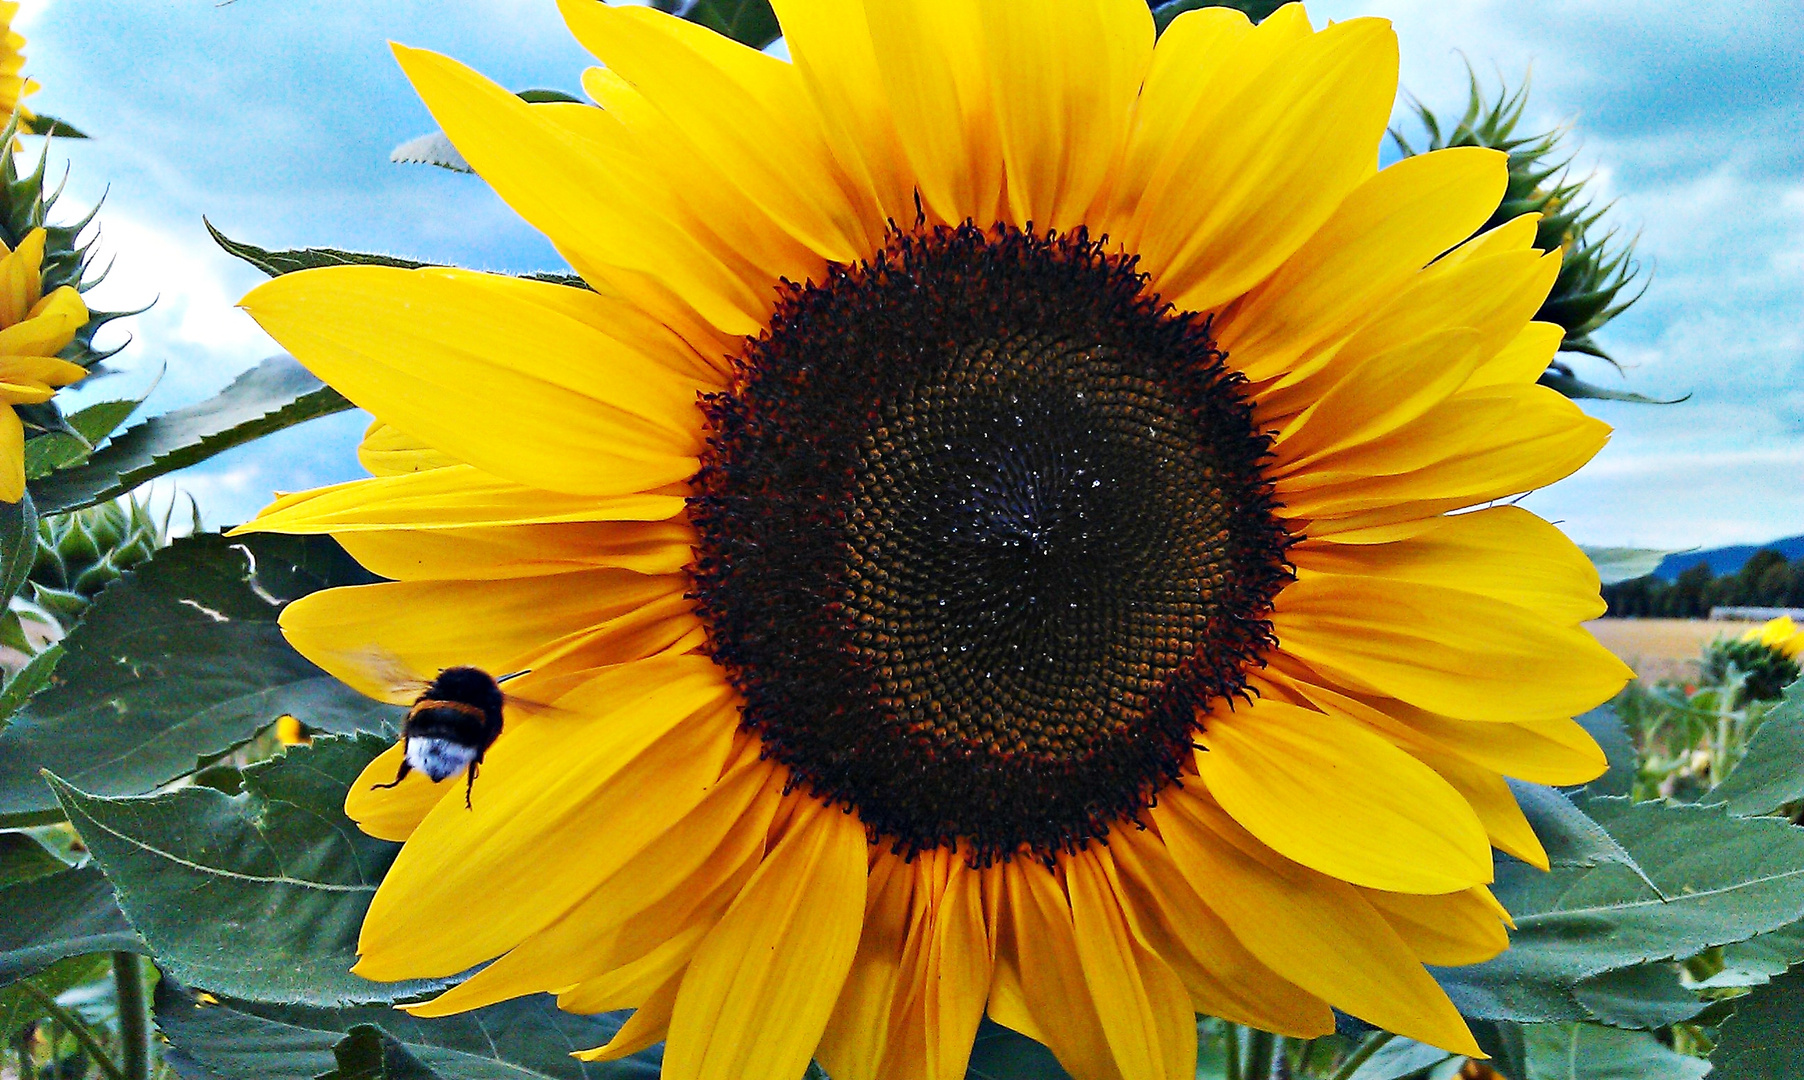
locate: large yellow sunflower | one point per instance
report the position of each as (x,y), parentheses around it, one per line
(990,533)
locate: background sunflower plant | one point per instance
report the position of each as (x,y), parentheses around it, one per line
(175,775)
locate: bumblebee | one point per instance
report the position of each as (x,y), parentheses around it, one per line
(453,722)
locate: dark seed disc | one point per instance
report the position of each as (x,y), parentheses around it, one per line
(983,526)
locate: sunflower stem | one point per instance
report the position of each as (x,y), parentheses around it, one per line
(1374,1042)
(134,1014)
(1231,1038)
(1259,1060)
(82,1033)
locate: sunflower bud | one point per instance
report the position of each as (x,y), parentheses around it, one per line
(80,554)
(1766,658)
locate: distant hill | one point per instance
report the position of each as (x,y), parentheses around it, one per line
(1727,560)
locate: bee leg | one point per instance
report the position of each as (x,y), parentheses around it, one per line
(399,776)
(470,782)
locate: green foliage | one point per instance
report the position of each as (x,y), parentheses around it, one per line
(1001,1054)
(1590,1052)
(277,263)
(524,1039)
(1719,879)
(67,913)
(276,394)
(1765,1037)
(258,895)
(177,664)
(749,22)
(1599,268)
(1771,773)
(1767,579)
(1624,564)
(1256,10)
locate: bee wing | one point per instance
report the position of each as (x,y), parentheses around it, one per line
(529,707)
(383,675)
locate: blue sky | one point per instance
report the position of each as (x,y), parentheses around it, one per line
(274,118)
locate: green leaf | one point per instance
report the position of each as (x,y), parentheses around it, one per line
(1725,879)
(178,662)
(1650,996)
(23,859)
(1574,387)
(1004,1054)
(1618,564)
(1567,833)
(59,450)
(31,678)
(1756,961)
(18,545)
(277,263)
(276,394)
(1255,10)
(1400,1057)
(1764,1040)
(259,895)
(749,22)
(369,1053)
(1612,737)
(45,124)
(1771,774)
(1590,1052)
(524,1039)
(60,915)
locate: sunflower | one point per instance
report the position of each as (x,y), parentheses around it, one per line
(14,86)
(989,533)
(33,329)
(1780,635)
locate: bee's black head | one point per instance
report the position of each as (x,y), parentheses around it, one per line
(469,686)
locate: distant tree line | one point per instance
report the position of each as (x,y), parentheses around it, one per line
(1767,579)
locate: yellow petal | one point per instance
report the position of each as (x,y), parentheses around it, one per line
(1458,928)
(435,351)
(1449,652)
(649,750)
(1336,797)
(1521,361)
(458,522)
(360,633)
(20,278)
(955,980)
(570,189)
(1144,1008)
(736,106)
(831,47)
(12,456)
(1477,446)
(758,994)
(854,1043)
(1066,73)
(392,813)
(1316,931)
(1258,173)
(388,451)
(1039,985)
(50,325)
(646,1026)
(657,907)
(1503,552)
(934,75)
(1224,979)
(1376,240)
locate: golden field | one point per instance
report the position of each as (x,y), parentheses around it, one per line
(1663,648)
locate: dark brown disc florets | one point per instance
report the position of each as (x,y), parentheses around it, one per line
(983,526)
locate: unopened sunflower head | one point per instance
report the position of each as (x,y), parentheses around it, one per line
(81,553)
(1765,659)
(1598,270)
(991,533)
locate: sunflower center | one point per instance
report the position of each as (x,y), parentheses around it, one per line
(983,527)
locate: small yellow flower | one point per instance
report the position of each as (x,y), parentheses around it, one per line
(33,329)
(14,86)
(1780,635)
